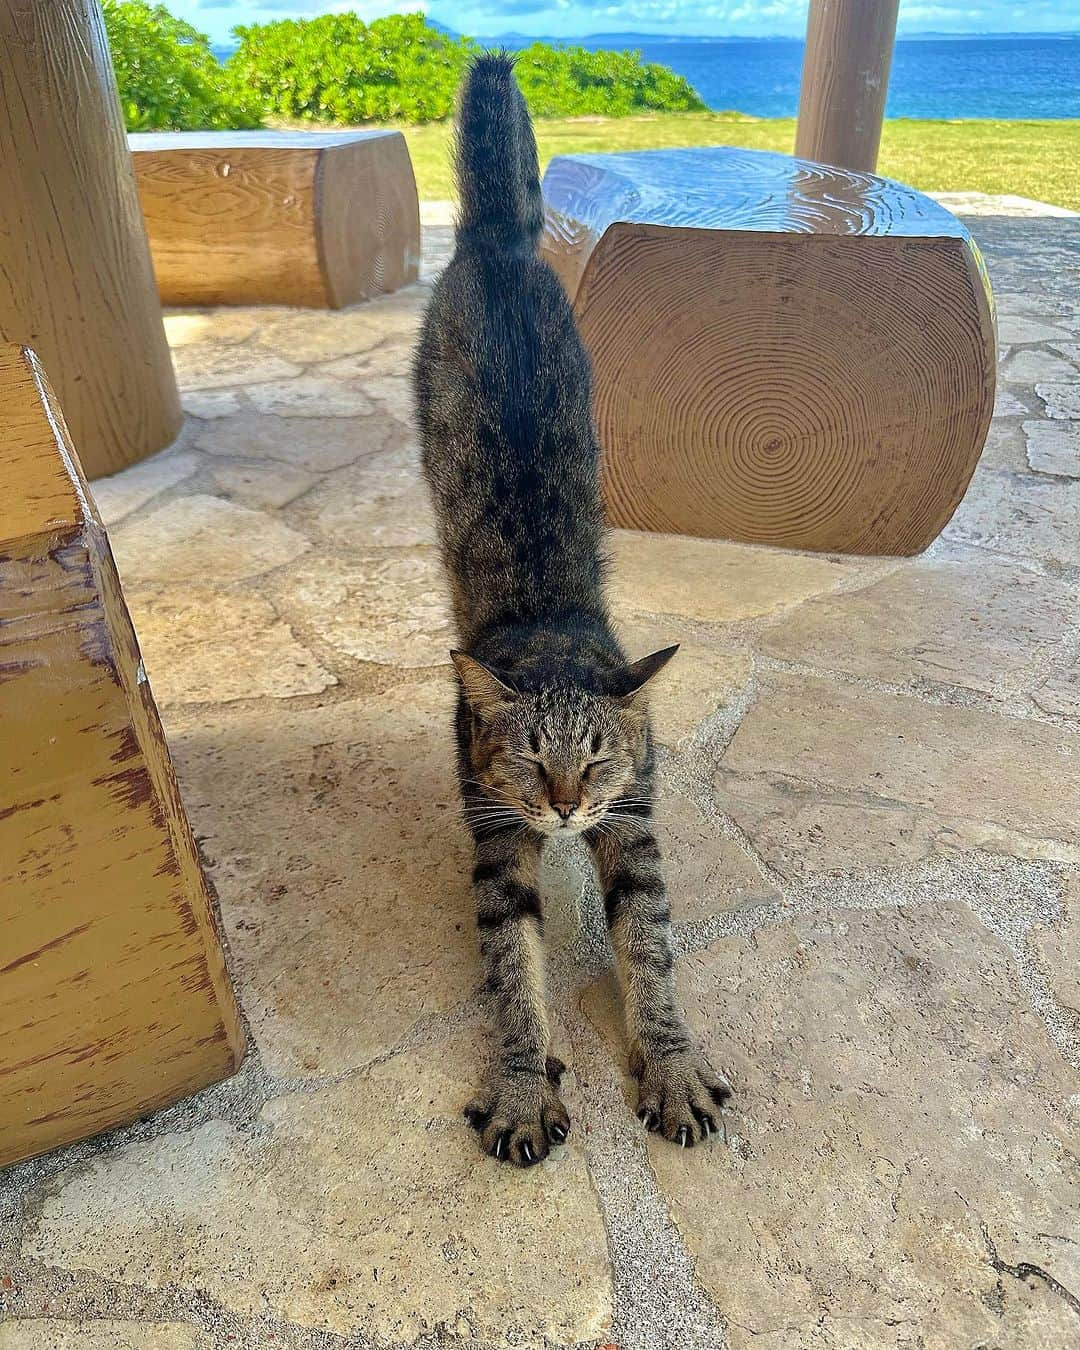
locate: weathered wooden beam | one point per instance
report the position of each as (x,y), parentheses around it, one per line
(76,283)
(114,999)
(845,79)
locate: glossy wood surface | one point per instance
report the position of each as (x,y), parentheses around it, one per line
(291,218)
(76,282)
(784,353)
(114,999)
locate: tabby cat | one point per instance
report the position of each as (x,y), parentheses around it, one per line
(552,725)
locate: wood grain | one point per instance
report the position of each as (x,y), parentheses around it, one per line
(784,353)
(114,999)
(291,218)
(369,219)
(76,282)
(845,81)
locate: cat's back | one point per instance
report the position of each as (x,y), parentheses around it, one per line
(499,350)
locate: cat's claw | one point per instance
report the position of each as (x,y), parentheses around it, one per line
(519,1118)
(679,1096)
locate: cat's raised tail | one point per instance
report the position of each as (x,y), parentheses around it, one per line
(497,167)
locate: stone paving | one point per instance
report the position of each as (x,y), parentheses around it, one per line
(871,802)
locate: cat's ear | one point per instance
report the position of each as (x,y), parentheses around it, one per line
(485,691)
(632,679)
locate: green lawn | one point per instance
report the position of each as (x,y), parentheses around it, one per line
(1031,159)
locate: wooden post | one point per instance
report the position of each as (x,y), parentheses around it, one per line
(114,999)
(849,46)
(76,281)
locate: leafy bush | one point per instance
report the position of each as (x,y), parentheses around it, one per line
(169,79)
(341,70)
(338,69)
(574,82)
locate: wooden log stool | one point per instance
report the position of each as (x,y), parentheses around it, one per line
(278,217)
(784,353)
(114,998)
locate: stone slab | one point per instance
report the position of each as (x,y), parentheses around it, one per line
(900,1117)
(203,539)
(309,396)
(1018,328)
(1004,447)
(879,775)
(215,367)
(210,403)
(266,486)
(308,337)
(1024,516)
(389,609)
(317,445)
(200,326)
(1007,404)
(1062,398)
(712,580)
(381,502)
(972,622)
(1060,693)
(707,872)
(367,1210)
(122,493)
(203,645)
(1054,447)
(1034,363)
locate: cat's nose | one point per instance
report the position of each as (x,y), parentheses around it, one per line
(565,809)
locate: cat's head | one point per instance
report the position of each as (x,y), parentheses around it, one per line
(562,758)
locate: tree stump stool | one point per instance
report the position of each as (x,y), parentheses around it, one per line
(278,217)
(114,999)
(784,353)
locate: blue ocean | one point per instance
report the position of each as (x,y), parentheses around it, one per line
(1005,77)
(1002,77)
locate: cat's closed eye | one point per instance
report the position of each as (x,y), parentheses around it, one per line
(593,764)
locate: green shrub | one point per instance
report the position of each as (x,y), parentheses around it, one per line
(574,82)
(168,77)
(338,69)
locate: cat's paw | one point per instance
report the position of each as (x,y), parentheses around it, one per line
(679,1095)
(520,1116)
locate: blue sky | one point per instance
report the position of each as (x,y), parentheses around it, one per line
(570,18)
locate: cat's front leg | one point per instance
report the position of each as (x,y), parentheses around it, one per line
(518,1113)
(679,1094)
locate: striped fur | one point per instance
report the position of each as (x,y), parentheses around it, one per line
(552,725)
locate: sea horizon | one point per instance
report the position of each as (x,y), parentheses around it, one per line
(1001,76)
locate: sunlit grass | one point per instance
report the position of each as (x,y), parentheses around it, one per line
(1031,159)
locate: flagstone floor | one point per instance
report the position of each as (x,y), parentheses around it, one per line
(871,803)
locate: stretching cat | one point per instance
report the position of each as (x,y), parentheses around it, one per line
(553,733)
